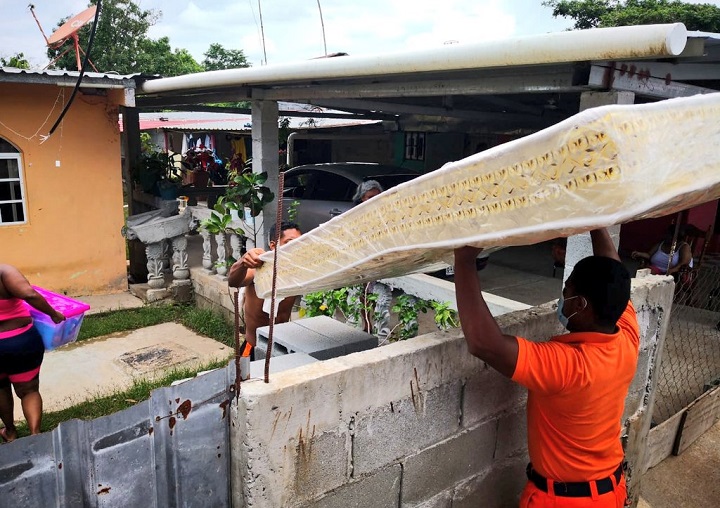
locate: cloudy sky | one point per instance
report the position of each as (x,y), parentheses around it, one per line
(292,27)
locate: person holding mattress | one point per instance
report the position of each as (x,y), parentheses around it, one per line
(577,382)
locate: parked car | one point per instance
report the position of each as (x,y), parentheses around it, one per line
(323,191)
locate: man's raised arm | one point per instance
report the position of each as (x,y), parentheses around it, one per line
(603,245)
(242,272)
(482,333)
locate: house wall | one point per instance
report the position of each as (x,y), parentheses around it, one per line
(417,423)
(71,241)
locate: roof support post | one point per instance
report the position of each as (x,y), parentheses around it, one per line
(265,150)
(580,246)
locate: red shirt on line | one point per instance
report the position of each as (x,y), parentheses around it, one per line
(577,384)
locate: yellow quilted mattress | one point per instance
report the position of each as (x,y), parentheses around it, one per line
(600,167)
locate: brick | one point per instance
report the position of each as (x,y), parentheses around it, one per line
(404,427)
(512,435)
(499,488)
(321,464)
(380,490)
(488,393)
(445,464)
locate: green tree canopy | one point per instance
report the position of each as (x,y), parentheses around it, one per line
(217,57)
(604,13)
(17,60)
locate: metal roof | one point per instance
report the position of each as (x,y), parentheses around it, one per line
(66,78)
(521,83)
(202,121)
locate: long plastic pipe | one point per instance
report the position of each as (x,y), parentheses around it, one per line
(644,41)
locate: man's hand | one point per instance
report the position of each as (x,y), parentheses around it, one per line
(242,272)
(251,259)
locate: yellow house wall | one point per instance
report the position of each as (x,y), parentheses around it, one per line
(71,241)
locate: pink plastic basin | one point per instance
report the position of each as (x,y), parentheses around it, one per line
(56,335)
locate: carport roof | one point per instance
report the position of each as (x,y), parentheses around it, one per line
(523,82)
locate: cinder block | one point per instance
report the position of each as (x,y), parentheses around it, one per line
(320,337)
(321,464)
(499,488)
(404,427)
(512,435)
(280,363)
(488,393)
(447,463)
(380,490)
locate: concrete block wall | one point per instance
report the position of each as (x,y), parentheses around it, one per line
(414,423)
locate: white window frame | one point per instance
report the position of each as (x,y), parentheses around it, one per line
(23,195)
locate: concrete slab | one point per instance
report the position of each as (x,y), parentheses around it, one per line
(105,303)
(103,365)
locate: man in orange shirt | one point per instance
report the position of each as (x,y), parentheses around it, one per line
(577,383)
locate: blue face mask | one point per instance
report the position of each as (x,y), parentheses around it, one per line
(564,320)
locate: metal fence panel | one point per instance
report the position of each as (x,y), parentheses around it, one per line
(691,356)
(172,450)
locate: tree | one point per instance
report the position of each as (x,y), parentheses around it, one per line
(121,43)
(604,13)
(156,57)
(19,61)
(217,57)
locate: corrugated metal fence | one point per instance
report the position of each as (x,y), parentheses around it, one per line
(171,450)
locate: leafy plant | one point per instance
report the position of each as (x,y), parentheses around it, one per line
(247,189)
(293,211)
(356,304)
(220,218)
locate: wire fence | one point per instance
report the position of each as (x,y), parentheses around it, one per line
(690,362)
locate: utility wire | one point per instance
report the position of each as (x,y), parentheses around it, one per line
(322,25)
(262,32)
(82,72)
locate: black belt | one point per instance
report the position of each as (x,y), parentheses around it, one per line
(575,489)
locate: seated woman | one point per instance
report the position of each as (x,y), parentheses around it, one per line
(659,257)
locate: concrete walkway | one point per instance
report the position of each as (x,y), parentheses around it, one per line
(690,480)
(103,365)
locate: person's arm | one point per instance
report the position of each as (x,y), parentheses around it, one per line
(484,338)
(18,286)
(603,244)
(242,272)
(685,258)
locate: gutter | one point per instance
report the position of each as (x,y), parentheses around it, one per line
(616,43)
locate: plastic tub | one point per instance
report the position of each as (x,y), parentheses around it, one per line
(56,335)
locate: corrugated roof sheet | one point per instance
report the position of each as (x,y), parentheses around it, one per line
(202,121)
(52,76)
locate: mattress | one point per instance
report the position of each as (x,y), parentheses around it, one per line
(603,166)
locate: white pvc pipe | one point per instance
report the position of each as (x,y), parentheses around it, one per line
(642,41)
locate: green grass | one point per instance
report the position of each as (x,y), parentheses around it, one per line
(117,401)
(202,321)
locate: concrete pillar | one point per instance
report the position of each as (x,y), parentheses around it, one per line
(580,246)
(265,148)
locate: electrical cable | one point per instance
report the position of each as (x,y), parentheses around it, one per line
(82,72)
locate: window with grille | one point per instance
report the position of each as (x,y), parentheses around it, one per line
(12,198)
(415,146)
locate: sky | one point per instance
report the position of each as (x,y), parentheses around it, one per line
(292,28)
